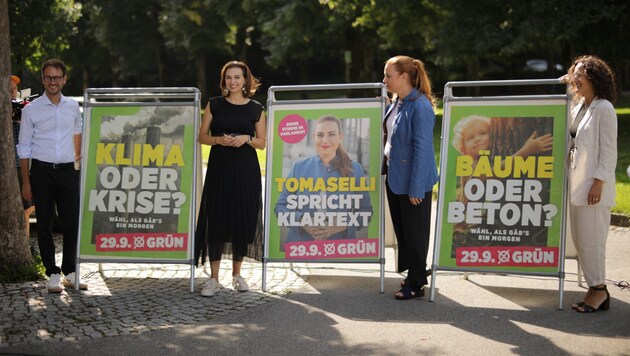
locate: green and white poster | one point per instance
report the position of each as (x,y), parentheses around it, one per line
(137,184)
(323,181)
(502,184)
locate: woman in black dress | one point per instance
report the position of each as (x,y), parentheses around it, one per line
(230,215)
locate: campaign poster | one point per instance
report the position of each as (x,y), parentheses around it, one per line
(323,182)
(138,182)
(502,185)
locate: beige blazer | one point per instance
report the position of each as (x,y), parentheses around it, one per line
(595,154)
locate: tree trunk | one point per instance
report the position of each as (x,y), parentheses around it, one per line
(14,244)
(508,135)
(85,76)
(240,47)
(304,77)
(113,62)
(161,60)
(201,75)
(472,73)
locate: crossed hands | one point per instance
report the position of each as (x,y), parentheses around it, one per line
(233,141)
(323,232)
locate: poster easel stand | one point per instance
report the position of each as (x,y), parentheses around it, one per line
(363,114)
(120,125)
(502,107)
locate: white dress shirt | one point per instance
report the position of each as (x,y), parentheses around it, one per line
(47,130)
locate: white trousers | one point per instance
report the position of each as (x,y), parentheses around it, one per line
(589,228)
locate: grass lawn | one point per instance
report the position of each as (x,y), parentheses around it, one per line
(623,156)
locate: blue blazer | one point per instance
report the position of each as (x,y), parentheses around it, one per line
(411,166)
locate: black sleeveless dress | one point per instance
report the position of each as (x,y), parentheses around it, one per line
(230,213)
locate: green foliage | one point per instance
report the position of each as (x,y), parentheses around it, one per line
(129,32)
(288,38)
(622,202)
(39,30)
(179,42)
(194,28)
(16,274)
(86,57)
(623,156)
(472,29)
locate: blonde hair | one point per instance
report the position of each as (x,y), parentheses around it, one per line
(463,124)
(417,74)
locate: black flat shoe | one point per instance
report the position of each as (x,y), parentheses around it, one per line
(407,293)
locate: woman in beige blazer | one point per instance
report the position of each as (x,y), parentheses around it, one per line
(592,161)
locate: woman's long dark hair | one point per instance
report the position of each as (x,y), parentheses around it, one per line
(342,160)
(251,83)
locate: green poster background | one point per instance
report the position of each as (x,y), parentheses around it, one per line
(171,126)
(370,116)
(523,110)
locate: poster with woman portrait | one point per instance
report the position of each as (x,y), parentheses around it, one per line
(323,182)
(502,185)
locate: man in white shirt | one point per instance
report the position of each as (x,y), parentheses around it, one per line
(50,136)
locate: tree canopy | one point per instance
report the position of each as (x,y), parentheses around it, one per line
(158,43)
(185,42)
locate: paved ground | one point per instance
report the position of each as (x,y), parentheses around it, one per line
(127,299)
(137,309)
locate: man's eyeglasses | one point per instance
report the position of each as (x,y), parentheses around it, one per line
(56,78)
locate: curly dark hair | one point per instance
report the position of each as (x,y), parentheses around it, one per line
(600,75)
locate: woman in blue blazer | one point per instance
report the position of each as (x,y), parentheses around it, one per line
(593,158)
(409,166)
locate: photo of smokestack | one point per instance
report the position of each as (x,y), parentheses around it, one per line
(159,127)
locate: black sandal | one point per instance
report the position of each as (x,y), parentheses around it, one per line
(409,293)
(605,305)
(577,305)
